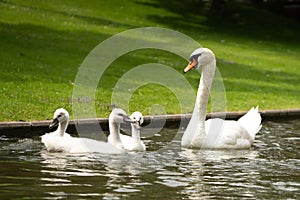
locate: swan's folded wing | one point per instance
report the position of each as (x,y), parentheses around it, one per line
(86,145)
(226,134)
(251,121)
(54,142)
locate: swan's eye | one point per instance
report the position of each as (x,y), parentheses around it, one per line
(59,116)
(121,115)
(194,57)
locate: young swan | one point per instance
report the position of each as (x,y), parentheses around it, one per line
(59,140)
(116,117)
(134,143)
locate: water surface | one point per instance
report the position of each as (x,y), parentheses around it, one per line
(269,170)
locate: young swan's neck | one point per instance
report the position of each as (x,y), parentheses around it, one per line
(205,83)
(135,133)
(114,129)
(137,144)
(62,127)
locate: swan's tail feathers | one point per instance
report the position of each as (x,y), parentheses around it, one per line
(251,121)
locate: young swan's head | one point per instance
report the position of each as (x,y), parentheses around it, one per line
(60,116)
(118,116)
(200,57)
(138,119)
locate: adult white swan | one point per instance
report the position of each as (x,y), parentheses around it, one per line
(216,133)
(59,140)
(132,143)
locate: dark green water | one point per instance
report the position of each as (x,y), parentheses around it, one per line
(269,170)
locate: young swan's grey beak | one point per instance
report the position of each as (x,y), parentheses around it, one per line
(138,119)
(54,123)
(127,119)
(137,125)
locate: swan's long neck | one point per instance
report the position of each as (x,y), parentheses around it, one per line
(135,133)
(203,92)
(114,129)
(62,127)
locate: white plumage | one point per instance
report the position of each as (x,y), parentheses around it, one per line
(59,140)
(134,142)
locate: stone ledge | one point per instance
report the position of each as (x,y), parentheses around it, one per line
(35,128)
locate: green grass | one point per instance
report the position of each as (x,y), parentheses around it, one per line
(43,43)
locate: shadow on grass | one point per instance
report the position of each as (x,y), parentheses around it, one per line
(279,82)
(239,21)
(90,20)
(33,53)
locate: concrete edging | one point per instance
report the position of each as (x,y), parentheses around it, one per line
(34,128)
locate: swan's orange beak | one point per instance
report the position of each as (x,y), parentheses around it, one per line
(190,66)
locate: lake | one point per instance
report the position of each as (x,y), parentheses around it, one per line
(269,170)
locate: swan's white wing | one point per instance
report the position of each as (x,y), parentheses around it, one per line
(126,140)
(70,144)
(251,121)
(54,142)
(132,144)
(226,134)
(86,145)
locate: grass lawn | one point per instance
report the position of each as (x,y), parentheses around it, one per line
(43,44)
